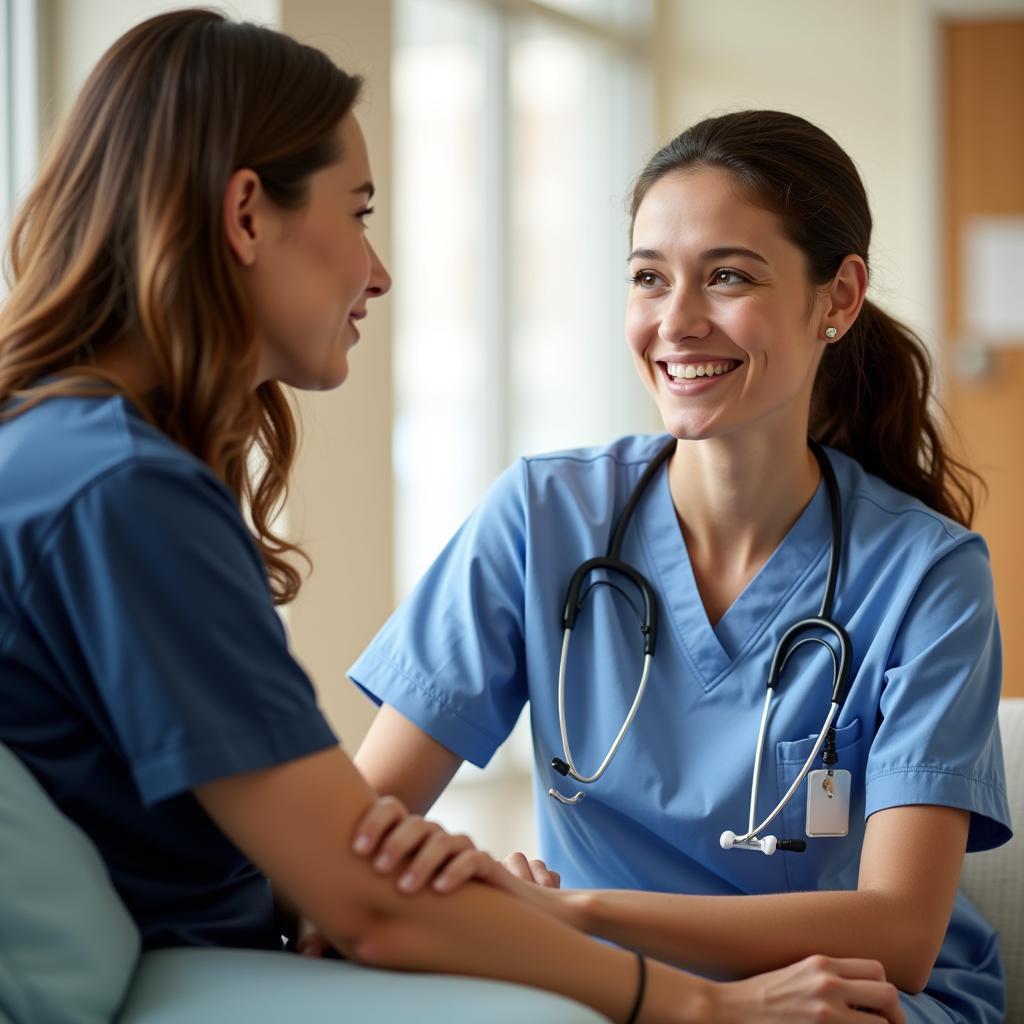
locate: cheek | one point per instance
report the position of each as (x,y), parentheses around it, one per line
(640,323)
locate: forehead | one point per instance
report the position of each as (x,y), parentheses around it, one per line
(355,160)
(702,207)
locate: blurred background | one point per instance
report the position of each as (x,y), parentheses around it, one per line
(504,135)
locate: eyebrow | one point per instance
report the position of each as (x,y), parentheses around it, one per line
(722,252)
(366,187)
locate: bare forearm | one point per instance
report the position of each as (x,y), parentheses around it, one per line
(733,936)
(482,932)
(398,759)
(296,822)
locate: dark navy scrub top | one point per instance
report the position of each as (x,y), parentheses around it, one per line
(141,655)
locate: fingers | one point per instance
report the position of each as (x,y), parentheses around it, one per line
(396,839)
(873,998)
(850,967)
(434,853)
(384,814)
(312,946)
(516,864)
(464,866)
(309,941)
(854,989)
(532,871)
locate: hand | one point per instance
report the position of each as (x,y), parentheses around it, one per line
(536,871)
(309,940)
(814,990)
(425,853)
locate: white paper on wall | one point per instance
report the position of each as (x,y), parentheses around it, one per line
(993,278)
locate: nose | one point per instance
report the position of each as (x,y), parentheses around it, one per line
(380,280)
(685,315)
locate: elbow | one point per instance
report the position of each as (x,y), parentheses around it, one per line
(391,943)
(911,978)
(910,964)
(373,935)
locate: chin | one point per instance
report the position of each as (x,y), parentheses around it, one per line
(685,429)
(324,379)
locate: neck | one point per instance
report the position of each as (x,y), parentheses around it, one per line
(736,498)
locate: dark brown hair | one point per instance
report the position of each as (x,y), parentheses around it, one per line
(872,394)
(121,241)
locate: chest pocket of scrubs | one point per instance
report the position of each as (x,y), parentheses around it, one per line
(828,863)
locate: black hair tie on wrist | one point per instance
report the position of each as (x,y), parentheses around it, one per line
(641,987)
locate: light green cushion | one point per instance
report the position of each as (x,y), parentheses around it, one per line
(215,986)
(68,947)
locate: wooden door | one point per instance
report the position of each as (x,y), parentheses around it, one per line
(983,72)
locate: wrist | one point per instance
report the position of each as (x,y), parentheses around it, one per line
(674,995)
(574,907)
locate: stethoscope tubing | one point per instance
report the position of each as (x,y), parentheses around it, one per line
(784,649)
(797,782)
(563,725)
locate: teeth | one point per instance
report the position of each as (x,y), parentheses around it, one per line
(689,371)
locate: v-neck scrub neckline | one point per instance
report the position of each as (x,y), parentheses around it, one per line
(795,563)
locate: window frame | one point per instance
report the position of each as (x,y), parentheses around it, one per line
(19,105)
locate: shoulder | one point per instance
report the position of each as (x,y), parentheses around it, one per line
(82,460)
(876,509)
(632,450)
(562,491)
(601,470)
(63,447)
(896,544)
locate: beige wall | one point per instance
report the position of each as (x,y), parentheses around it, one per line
(341,504)
(76,33)
(863,71)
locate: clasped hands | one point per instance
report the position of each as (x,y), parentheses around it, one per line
(422,854)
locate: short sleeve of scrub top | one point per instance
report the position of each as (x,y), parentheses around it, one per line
(451,660)
(154,594)
(937,740)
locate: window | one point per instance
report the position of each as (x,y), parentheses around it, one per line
(19,105)
(518,128)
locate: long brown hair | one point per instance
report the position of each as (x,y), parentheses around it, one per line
(872,394)
(121,241)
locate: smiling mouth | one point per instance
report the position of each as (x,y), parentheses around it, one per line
(695,370)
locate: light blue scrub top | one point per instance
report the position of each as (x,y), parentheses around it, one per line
(481,635)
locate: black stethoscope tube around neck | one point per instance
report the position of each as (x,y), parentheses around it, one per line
(612,564)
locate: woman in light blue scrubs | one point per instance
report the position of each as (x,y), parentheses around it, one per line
(749,325)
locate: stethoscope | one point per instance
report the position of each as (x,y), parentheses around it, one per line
(803,632)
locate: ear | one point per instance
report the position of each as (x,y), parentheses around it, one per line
(845,296)
(244,201)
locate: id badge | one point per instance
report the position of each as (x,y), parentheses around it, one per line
(828,803)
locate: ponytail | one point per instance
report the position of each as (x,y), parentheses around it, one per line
(872,401)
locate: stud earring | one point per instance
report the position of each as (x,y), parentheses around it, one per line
(831,332)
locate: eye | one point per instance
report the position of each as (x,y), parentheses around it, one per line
(644,279)
(363,214)
(729,277)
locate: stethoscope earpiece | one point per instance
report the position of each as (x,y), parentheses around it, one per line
(569,800)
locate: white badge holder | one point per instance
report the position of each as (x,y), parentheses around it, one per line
(828,803)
